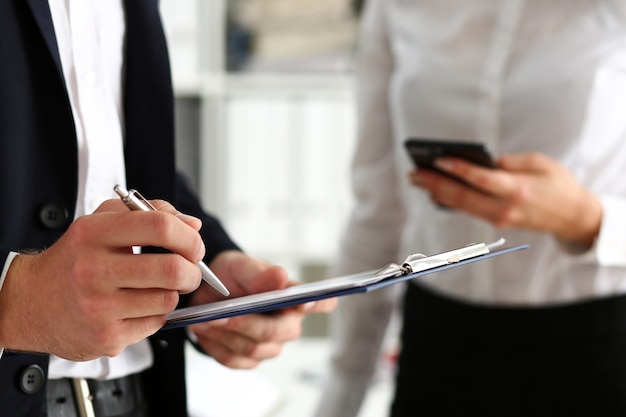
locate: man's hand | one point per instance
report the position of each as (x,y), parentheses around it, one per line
(526,191)
(244,341)
(88,295)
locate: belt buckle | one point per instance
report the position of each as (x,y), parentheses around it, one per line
(84,399)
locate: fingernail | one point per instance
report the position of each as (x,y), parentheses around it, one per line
(220,322)
(443,164)
(186,217)
(308,306)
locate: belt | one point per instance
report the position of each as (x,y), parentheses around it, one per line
(80,397)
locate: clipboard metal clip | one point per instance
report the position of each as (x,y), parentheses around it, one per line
(419,262)
(393,269)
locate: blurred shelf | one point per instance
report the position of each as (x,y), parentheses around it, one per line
(230,84)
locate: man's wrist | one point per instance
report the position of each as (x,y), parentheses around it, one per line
(5,270)
(7,265)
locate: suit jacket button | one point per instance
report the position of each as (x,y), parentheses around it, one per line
(53,216)
(32,379)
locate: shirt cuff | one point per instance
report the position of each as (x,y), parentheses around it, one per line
(7,264)
(611,243)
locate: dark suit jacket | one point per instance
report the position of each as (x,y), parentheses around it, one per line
(39,166)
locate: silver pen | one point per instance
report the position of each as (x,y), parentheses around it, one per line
(135,201)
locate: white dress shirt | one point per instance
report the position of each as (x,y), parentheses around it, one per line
(547,76)
(90,37)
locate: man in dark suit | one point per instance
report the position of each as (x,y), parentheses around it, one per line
(73,289)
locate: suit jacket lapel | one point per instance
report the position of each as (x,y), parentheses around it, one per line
(41,13)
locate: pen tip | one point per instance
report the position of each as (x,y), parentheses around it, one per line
(220,287)
(212,279)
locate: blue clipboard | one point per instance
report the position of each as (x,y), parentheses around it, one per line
(414,266)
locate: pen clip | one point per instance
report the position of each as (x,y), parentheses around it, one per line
(136,194)
(133,199)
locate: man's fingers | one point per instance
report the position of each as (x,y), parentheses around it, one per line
(146,270)
(227,357)
(128,304)
(112,339)
(138,228)
(280,326)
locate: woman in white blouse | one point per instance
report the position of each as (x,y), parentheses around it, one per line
(537,332)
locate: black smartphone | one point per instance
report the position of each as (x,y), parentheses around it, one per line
(424,151)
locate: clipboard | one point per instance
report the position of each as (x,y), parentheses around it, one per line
(414,266)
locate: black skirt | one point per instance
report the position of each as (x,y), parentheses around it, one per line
(462,359)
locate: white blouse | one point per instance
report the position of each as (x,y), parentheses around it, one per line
(546,76)
(518,76)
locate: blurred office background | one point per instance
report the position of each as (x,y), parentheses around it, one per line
(266,125)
